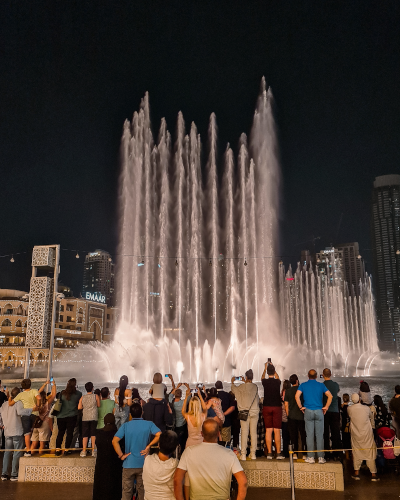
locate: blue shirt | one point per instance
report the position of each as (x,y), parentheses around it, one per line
(313,393)
(137,435)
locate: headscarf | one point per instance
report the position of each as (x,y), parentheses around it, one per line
(355,398)
(109,423)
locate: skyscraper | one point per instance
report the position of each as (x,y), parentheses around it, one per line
(98,275)
(386,249)
(353,266)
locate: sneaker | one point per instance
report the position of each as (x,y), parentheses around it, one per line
(279,456)
(375,479)
(321,460)
(4,477)
(309,460)
(14,478)
(294,456)
(83,454)
(27,454)
(68,452)
(270,456)
(357,478)
(94,453)
(253,457)
(243,457)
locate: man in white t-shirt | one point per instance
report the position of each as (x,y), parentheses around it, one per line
(159,469)
(210,468)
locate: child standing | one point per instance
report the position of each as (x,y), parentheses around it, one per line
(89,403)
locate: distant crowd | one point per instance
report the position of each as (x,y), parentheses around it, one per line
(191,442)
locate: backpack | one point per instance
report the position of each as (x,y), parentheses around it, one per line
(388,451)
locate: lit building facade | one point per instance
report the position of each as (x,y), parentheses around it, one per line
(98,275)
(77,321)
(386,249)
(352,265)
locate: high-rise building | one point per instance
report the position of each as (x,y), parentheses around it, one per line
(386,250)
(330,265)
(98,276)
(353,266)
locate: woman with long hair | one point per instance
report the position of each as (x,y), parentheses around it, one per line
(107,484)
(123,400)
(68,416)
(43,424)
(194,416)
(382,416)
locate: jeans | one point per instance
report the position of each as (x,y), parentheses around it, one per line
(65,424)
(314,420)
(16,443)
(332,424)
(121,415)
(128,479)
(295,427)
(249,424)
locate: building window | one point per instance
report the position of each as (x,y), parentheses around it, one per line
(108,316)
(6,322)
(79,328)
(61,317)
(69,319)
(108,325)
(61,308)
(70,307)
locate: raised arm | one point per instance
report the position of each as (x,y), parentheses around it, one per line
(42,388)
(203,404)
(172,381)
(328,402)
(184,412)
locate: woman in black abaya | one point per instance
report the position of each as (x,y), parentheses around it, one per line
(108,471)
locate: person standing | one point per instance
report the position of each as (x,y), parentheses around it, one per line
(68,416)
(159,469)
(210,468)
(176,400)
(314,411)
(28,398)
(11,423)
(296,423)
(332,416)
(42,433)
(107,406)
(362,437)
(394,406)
(228,406)
(272,410)
(123,400)
(137,434)
(247,399)
(107,483)
(89,404)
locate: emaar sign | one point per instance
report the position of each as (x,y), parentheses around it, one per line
(95,297)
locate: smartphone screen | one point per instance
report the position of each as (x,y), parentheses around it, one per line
(321,376)
(237,378)
(51,379)
(166,375)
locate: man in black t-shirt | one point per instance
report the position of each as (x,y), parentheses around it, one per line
(272,410)
(228,406)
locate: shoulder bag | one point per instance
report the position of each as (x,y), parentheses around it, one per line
(243,414)
(57,407)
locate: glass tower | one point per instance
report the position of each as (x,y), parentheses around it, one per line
(386,249)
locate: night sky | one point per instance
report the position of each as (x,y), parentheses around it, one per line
(73,71)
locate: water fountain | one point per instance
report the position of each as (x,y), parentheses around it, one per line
(197,285)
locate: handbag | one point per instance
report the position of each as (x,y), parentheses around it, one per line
(244,414)
(37,423)
(57,407)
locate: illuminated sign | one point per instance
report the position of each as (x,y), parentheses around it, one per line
(74,332)
(95,297)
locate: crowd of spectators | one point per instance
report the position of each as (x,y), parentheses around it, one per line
(162,446)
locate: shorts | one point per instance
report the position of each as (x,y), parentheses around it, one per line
(27,423)
(226,434)
(272,417)
(89,428)
(42,433)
